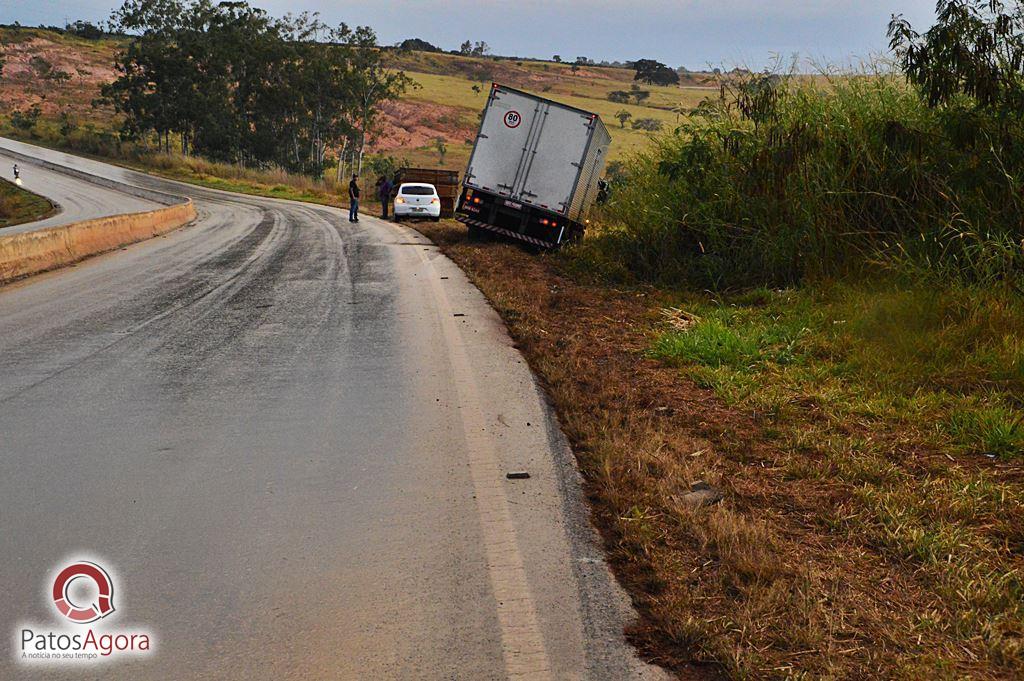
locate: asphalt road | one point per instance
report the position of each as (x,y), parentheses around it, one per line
(77,200)
(286,437)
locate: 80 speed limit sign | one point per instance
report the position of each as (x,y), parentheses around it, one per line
(513,119)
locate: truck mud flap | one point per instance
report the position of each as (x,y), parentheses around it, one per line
(506,232)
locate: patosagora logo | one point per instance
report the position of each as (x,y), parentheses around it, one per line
(79,614)
(82,592)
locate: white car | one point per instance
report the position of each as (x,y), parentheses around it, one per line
(417,200)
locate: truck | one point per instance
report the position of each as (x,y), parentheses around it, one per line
(534,170)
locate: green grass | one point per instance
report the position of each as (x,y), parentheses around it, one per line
(18,206)
(935,356)
(992,430)
(908,398)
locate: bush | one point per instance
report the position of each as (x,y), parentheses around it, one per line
(650,124)
(85,29)
(26,120)
(787,180)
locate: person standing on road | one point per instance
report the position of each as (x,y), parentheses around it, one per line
(353,199)
(385,196)
(17,173)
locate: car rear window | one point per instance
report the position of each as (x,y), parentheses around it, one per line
(418,191)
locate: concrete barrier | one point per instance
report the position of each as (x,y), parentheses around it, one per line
(27,253)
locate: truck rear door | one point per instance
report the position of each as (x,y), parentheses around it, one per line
(505,133)
(553,165)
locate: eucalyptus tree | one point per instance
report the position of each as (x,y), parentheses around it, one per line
(375,82)
(235,84)
(975,48)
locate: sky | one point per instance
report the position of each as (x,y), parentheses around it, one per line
(690,33)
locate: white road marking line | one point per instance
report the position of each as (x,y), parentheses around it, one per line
(521,638)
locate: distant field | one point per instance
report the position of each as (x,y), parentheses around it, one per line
(442,105)
(456,91)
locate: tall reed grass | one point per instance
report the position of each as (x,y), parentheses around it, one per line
(789,179)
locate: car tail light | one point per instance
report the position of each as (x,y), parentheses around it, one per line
(399,200)
(476,199)
(435,200)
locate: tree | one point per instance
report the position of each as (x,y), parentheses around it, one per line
(236,85)
(67,124)
(618,96)
(384,166)
(193,68)
(480,49)
(654,73)
(575,69)
(640,95)
(477,89)
(85,29)
(976,48)
(26,120)
(557,59)
(623,116)
(418,45)
(466,48)
(375,82)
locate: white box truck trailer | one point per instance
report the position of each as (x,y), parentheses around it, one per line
(534,170)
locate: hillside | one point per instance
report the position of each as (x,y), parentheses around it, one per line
(62,75)
(35,60)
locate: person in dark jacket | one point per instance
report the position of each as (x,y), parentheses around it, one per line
(385,196)
(353,199)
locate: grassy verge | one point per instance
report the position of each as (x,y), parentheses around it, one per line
(18,206)
(274,184)
(227,177)
(868,441)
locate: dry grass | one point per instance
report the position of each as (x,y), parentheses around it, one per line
(276,183)
(838,552)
